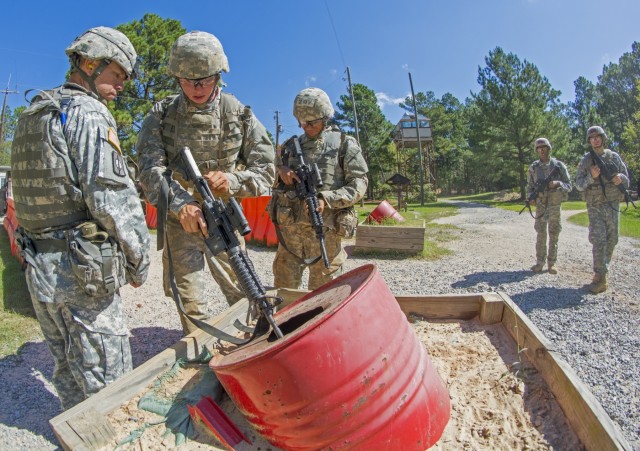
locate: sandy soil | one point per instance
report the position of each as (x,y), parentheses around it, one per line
(498,400)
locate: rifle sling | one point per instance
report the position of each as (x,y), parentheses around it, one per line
(163,241)
(307,262)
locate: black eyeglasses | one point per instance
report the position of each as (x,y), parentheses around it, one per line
(205,82)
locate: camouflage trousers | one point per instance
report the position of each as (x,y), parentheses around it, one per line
(189,254)
(90,347)
(547,224)
(603,233)
(302,244)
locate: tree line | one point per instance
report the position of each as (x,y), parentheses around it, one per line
(482,143)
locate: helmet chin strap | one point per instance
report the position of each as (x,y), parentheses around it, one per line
(91,79)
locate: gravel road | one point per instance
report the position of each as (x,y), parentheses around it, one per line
(598,335)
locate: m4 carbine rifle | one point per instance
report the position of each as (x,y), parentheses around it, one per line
(306,189)
(222,221)
(607,173)
(540,187)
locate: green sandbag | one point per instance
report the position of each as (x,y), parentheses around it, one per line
(173,407)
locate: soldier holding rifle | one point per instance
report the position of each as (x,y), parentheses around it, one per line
(603,196)
(343,182)
(548,183)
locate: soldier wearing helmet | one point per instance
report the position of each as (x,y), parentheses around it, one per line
(231,148)
(82,230)
(548,202)
(343,171)
(603,202)
(102,59)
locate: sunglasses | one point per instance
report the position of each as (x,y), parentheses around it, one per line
(205,82)
(310,123)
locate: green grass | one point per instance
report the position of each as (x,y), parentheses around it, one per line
(629,221)
(415,216)
(19,324)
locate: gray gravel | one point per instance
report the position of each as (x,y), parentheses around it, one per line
(598,335)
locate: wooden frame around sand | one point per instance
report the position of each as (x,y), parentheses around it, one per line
(81,427)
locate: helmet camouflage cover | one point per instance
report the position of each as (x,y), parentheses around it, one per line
(104,43)
(596,130)
(541,142)
(311,104)
(197,54)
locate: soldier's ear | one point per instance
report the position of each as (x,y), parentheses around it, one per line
(88,66)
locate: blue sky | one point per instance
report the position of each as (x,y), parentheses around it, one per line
(276,48)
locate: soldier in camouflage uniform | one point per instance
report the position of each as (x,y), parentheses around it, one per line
(232,150)
(344,175)
(603,203)
(548,203)
(83,231)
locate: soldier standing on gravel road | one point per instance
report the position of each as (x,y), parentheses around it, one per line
(548,203)
(232,150)
(343,171)
(84,233)
(603,203)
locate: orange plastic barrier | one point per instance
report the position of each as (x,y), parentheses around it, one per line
(151,216)
(262,229)
(10,224)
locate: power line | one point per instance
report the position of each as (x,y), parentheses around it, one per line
(335,34)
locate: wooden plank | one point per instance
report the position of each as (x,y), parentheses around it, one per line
(93,428)
(453,306)
(387,237)
(587,417)
(491,308)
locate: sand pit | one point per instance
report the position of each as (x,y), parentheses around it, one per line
(498,400)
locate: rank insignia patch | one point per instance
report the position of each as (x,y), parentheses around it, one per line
(112,137)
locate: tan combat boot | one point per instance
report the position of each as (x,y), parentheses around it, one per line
(552,269)
(599,283)
(537,267)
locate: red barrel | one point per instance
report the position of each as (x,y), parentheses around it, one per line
(383,211)
(350,372)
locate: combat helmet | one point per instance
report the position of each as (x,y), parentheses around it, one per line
(311,104)
(596,130)
(106,44)
(197,54)
(541,142)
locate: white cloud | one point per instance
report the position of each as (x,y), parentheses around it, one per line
(310,80)
(405,67)
(384,99)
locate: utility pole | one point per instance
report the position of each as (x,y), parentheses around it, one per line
(4,106)
(278,128)
(415,112)
(355,123)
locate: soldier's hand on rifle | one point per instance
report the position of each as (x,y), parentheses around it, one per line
(218,182)
(287,175)
(595,171)
(192,219)
(553,184)
(616,180)
(320,209)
